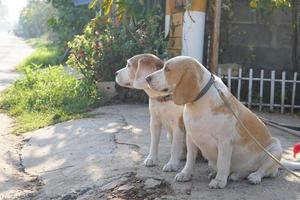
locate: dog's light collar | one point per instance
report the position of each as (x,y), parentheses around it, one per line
(206,87)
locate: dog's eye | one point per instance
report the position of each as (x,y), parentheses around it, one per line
(167,69)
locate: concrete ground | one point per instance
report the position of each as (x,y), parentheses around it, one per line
(102,157)
(78,159)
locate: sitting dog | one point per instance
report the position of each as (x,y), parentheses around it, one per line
(211,126)
(163,112)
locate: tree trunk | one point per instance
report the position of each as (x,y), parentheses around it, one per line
(215,36)
(295,25)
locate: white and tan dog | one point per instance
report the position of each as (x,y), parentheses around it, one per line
(163,111)
(211,127)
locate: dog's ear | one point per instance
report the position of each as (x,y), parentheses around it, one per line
(187,89)
(159,64)
(146,66)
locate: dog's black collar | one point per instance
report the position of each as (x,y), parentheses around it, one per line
(164,98)
(206,87)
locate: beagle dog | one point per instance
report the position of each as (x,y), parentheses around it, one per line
(163,111)
(211,126)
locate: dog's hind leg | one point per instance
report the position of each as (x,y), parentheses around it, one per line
(268,168)
(237,176)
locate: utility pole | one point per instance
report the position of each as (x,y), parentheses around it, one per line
(214,55)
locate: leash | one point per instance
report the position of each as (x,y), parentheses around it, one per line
(293,130)
(228,105)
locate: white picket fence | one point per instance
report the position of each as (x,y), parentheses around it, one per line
(291,105)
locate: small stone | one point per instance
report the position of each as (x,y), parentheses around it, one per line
(114,184)
(125,188)
(151,183)
(188,191)
(69,196)
(169,197)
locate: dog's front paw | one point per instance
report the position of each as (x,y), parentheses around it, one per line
(150,161)
(254,178)
(171,167)
(183,177)
(217,184)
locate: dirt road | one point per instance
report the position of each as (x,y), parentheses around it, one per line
(13,181)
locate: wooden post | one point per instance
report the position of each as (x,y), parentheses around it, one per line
(213,64)
(295,36)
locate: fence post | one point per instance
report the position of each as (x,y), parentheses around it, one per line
(282,91)
(272,91)
(250,88)
(294,92)
(261,89)
(220,72)
(229,79)
(239,84)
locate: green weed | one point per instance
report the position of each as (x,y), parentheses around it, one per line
(47,96)
(45,54)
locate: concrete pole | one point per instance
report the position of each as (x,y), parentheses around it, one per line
(214,56)
(193,30)
(168,16)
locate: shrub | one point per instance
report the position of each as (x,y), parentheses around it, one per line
(104,47)
(68,20)
(47,96)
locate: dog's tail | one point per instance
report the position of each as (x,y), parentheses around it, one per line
(290,164)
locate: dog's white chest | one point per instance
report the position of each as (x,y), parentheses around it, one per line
(207,129)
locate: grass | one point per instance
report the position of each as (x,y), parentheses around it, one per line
(46,53)
(47,96)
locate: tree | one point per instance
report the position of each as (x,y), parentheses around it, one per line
(128,11)
(33,19)
(69,19)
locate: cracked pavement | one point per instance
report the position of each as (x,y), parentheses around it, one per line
(85,154)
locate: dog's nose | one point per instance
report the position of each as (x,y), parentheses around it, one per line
(148,79)
(116,73)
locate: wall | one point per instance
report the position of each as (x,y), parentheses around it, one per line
(251,39)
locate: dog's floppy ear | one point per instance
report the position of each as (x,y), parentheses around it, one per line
(187,89)
(146,66)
